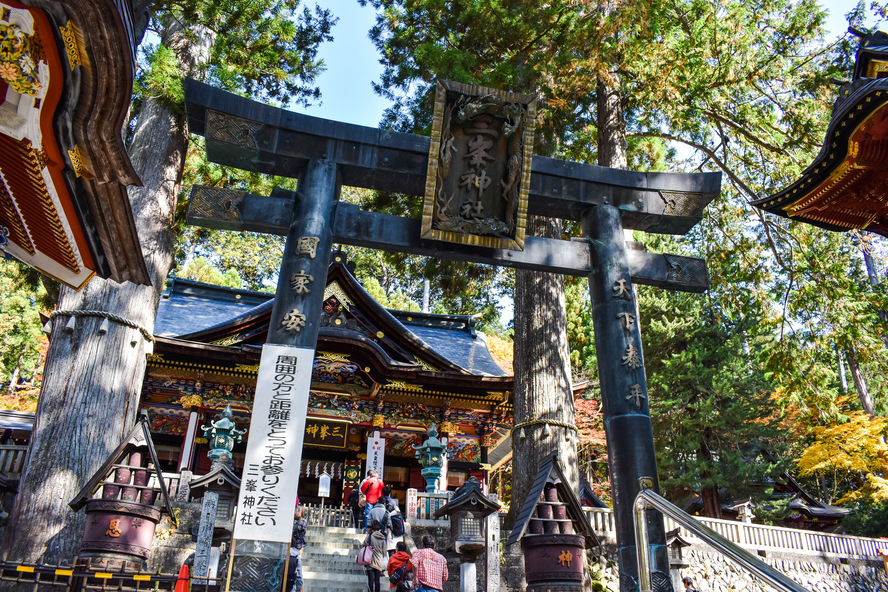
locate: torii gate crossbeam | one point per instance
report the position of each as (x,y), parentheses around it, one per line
(325,154)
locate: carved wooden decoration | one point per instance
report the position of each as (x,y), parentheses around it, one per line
(479,166)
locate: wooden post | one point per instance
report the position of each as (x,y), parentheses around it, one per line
(186,456)
(627,421)
(492,555)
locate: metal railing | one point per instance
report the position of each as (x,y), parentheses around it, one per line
(647,499)
(760,537)
(62,578)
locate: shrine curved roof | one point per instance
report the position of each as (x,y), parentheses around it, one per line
(187,306)
(202,312)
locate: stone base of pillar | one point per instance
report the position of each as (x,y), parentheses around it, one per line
(468,577)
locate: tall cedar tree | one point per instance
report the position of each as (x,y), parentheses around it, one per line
(92,382)
(494,44)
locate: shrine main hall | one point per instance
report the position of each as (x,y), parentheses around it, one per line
(394,372)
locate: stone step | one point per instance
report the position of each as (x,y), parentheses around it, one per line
(331,545)
(343,540)
(324,560)
(333,531)
(314,586)
(325,574)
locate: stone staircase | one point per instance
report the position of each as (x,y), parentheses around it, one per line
(328,561)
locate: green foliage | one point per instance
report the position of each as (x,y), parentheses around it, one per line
(262,48)
(162,76)
(869,520)
(23,340)
(201,270)
(713,418)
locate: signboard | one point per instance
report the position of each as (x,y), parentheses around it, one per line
(412,503)
(478,175)
(326,433)
(274,448)
(375,454)
(324,485)
(205,534)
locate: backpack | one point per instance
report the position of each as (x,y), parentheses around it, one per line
(298,540)
(397,575)
(397,524)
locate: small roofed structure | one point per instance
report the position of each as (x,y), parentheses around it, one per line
(551,488)
(553,531)
(467,509)
(66,75)
(844,188)
(122,520)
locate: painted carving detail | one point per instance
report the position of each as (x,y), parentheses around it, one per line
(484,198)
(17,64)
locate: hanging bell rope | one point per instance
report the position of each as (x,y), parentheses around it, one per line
(107,316)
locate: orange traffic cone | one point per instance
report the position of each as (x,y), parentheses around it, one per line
(182,582)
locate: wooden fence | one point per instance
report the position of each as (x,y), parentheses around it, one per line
(12,459)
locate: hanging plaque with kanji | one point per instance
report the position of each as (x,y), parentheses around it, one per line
(479,166)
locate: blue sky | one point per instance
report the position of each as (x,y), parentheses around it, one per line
(353,65)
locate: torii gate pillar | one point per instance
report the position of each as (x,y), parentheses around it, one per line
(627,419)
(266,501)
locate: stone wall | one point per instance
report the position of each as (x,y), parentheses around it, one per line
(174,544)
(712,572)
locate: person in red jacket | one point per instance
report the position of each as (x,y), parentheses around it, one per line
(372,490)
(397,562)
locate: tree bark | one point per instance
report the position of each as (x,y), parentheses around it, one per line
(542,373)
(612,145)
(90,393)
(866,400)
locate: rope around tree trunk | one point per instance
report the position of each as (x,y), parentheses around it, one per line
(105,315)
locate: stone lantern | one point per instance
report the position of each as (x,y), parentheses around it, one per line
(674,544)
(223,436)
(431,455)
(468,510)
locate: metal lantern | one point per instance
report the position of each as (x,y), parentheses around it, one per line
(431,455)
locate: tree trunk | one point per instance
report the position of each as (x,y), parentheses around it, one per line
(91,386)
(542,373)
(15,374)
(843,379)
(612,144)
(866,400)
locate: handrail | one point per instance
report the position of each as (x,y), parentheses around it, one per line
(759,537)
(649,499)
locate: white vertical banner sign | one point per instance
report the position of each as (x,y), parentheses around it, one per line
(376,454)
(442,481)
(274,448)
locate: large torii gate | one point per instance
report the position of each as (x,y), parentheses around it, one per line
(324,155)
